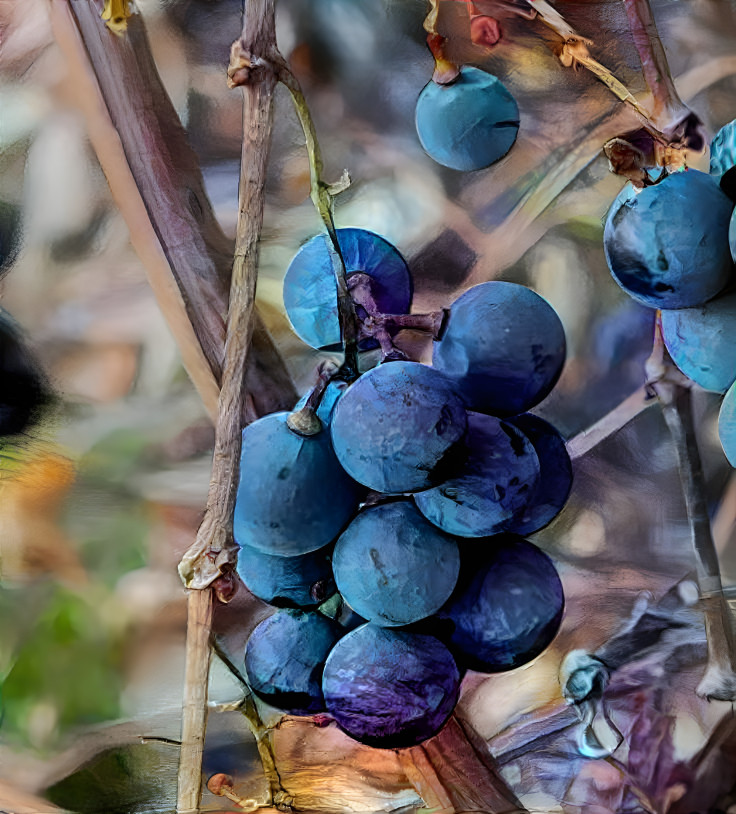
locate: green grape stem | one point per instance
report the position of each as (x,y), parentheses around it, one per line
(322,195)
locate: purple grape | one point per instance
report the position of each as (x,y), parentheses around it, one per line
(293,495)
(555,474)
(667,246)
(284,659)
(388,688)
(304,581)
(468,124)
(504,345)
(507,606)
(310,291)
(494,485)
(393,567)
(394,430)
(702,342)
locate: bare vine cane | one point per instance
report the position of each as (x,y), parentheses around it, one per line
(211,560)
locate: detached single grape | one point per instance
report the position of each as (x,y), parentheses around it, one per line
(284,659)
(293,496)
(469,123)
(388,688)
(667,246)
(393,567)
(504,345)
(395,428)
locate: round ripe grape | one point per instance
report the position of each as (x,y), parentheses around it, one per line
(396,426)
(667,246)
(468,124)
(393,567)
(702,342)
(727,425)
(494,485)
(389,688)
(284,659)
(310,291)
(293,496)
(286,582)
(555,474)
(723,159)
(507,607)
(504,346)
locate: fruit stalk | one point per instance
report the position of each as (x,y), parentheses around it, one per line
(675,396)
(322,195)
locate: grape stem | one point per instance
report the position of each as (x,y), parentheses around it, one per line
(323,195)
(674,392)
(305,421)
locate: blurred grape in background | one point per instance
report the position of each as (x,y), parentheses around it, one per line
(99,501)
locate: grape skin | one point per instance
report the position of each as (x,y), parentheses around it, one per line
(504,345)
(469,123)
(507,607)
(667,246)
(494,485)
(310,291)
(393,567)
(293,496)
(395,426)
(284,659)
(727,425)
(390,689)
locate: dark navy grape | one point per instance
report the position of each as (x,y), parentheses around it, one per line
(393,567)
(284,659)
(667,246)
(555,475)
(287,582)
(293,496)
(727,425)
(504,345)
(493,486)
(507,607)
(468,124)
(702,342)
(395,428)
(388,688)
(310,291)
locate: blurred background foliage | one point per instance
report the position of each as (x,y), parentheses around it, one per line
(98,503)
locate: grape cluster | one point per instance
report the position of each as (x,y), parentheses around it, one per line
(672,246)
(404,502)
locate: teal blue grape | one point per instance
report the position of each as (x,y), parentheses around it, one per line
(390,689)
(284,659)
(468,124)
(293,496)
(493,486)
(396,427)
(310,290)
(727,425)
(504,346)
(667,246)
(702,342)
(393,567)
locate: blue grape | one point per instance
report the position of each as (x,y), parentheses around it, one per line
(388,688)
(493,486)
(727,425)
(293,496)
(723,159)
(702,342)
(667,246)
(303,581)
(507,606)
(468,124)
(555,475)
(393,567)
(310,291)
(285,656)
(732,235)
(396,426)
(504,346)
